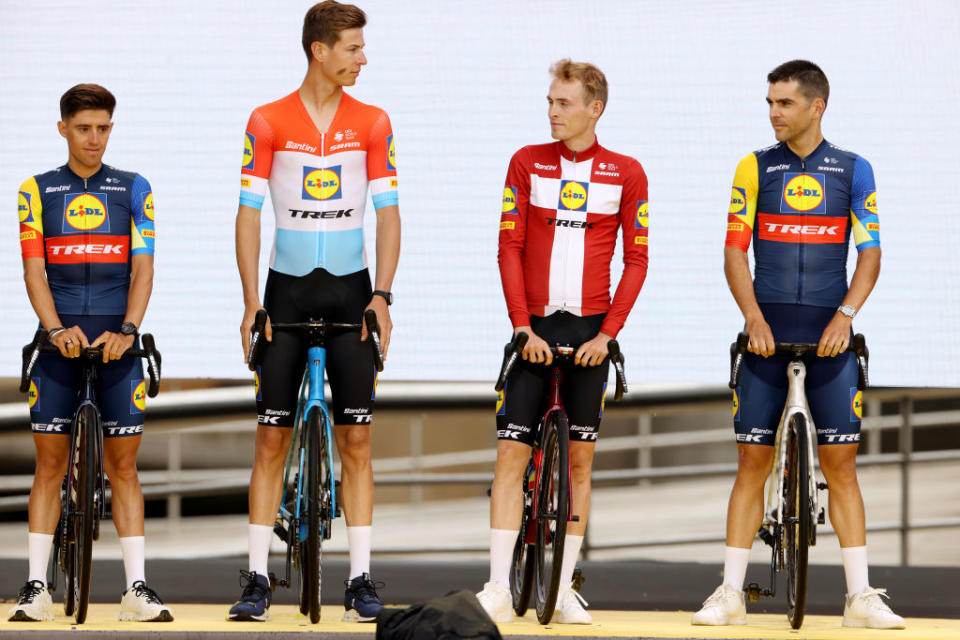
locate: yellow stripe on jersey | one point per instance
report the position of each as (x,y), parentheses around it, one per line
(743,203)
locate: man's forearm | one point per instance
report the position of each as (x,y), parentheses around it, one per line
(248,253)
(736,267)
(41,298)
(141,286)
(864,277)
(388,246)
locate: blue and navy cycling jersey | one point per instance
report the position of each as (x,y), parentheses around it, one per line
(800,213)
(87,230)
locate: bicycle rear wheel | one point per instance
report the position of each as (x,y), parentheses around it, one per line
(84,518)
(553,508)
(310,521)
(796,518)
(521,574)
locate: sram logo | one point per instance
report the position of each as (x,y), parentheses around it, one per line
(823,230)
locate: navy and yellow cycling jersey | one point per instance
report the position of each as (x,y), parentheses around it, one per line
(800,213)
(87,230)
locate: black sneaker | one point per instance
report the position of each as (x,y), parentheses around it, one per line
(361,601)
(254,602)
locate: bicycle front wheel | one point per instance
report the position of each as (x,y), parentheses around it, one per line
(521,574)
(553,508)
(86,473)
(796,518)
(310,517)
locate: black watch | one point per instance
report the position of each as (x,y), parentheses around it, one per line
(386,295)
(128,329)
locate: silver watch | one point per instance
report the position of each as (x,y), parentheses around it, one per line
(847,310)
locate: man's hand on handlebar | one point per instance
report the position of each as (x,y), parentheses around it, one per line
(70,341)
(246,326)
(114,344)
(836,336)
(379,305)
(536,349)
(592,352)
(761,337)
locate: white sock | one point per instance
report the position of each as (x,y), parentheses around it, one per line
(359,541)
(133,550)
(258,545)
(735,561)
(38,550)
(571,551)
(855,569)
(502,542)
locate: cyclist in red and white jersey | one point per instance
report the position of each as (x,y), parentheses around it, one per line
(563,206)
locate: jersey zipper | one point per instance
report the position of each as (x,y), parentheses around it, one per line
(566,248)
(801,248)
(85,308)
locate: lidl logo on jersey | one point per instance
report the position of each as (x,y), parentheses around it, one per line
(870,204)
(322,184)
(642,221)
(573,195)
(23,207)
(148,206)
(501,410)
(248,144)
(738,200)
(509,200)
(736,406)
(391,154)
(856,404)
(33,394)
(803,192)
(256,384)
(85,212)
(138,396)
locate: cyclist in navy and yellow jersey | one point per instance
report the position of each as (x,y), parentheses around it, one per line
(799,202)
(86,234)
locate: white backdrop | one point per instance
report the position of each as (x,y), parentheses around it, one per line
(465,86)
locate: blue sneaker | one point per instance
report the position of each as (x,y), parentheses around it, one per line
(361,601)
(254,602)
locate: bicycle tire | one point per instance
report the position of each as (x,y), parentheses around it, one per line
(521,574)
(85,519)
(796,512)
(311,548)
(553,507)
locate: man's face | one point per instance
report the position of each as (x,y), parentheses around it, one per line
(342,62)
(569,113)
(87,132)
(791,112)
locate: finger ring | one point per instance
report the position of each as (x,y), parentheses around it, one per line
(69,341)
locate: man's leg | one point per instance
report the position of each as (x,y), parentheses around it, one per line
(272,445)
(356,491)
(120,466)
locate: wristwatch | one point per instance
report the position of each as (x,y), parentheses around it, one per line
(847,310)
(386,295)
(128,329)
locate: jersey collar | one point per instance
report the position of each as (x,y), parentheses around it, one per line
(586,154)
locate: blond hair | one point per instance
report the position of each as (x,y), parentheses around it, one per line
(593,81)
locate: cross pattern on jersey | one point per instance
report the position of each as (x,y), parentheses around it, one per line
(801,212)
(558,230)
(318,181)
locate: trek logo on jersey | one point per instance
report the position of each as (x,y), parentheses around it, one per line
(856,404)
(256,383)
(573,195)
(803,192)
(826,230)
(74,250)
(870,204)
(738,200)
(148,206)
(33,394)
(322,184)
(391,154)
(509,200)
(138,396)
(23,207)
(641,221)
(85,212)
(248,144)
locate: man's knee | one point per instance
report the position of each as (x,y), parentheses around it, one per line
(754,462)
(354,443)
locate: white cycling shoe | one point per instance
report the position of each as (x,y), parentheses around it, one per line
(33,603)
(724,606)
(497,602)
(570,608)
(867,609)
(142,603)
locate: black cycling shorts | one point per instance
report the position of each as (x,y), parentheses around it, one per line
(523,400)
(350,367)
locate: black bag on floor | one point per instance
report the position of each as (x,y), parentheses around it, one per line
(457,615)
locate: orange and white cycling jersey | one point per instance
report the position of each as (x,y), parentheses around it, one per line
(318,181)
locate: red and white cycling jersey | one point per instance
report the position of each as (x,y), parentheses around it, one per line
(558,231)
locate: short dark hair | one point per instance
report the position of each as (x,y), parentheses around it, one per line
(810,78)
(325,20)
(86,96)
(593,81)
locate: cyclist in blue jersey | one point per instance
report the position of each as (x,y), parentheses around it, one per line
(799,202)
(87,235)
